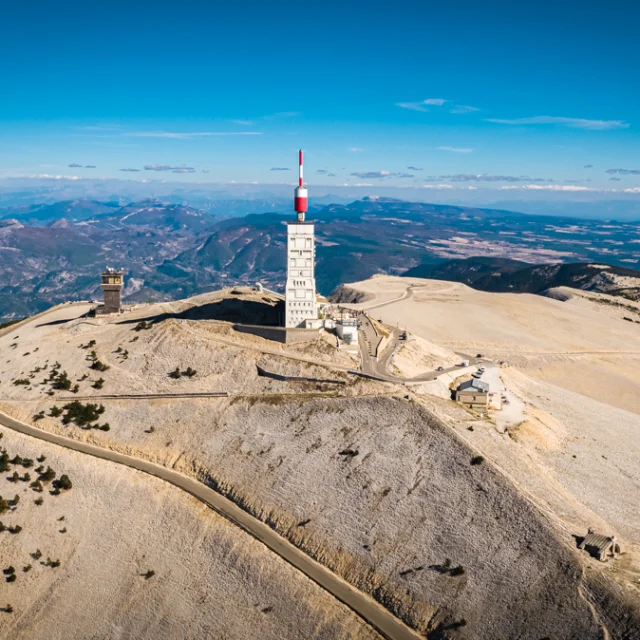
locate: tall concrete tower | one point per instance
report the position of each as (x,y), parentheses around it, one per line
(112,283)
(300,293)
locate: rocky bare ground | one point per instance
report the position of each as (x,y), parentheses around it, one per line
(208,579)
(371,483)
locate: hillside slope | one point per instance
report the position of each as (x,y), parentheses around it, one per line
(372,484)
(210,580)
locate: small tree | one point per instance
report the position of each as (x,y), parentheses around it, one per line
(48,475)
(98,384)
(42,458)
(175,374)
(64,482)
(39,501)
(149,574)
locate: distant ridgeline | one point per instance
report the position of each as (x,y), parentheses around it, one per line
(51,253)
(504,275)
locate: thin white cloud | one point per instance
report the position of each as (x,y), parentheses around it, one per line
(456,149)
(463,108)
(372,174)
(244,123)
(548,187)
(412,106)
(567,187)
(46,176)
(437,186)
(423,105)
(168,167)
(185,135)
(355,149)
(573,123)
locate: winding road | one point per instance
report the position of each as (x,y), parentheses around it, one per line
(366,607)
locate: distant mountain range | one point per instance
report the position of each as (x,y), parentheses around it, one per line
(55,252)
(504,275)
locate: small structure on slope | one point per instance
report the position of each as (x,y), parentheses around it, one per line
(600,546)
(112,284)
(473,394)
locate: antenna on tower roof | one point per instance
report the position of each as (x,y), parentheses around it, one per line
(300,199)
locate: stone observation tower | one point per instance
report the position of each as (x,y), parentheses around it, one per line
(300,292)
(112,283)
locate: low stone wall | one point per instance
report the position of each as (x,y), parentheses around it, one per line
(279,334)
(279,376)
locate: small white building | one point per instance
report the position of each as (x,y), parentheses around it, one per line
(347,330)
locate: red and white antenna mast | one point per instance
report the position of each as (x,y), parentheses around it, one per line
(300,199)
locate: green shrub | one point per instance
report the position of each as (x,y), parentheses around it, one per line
(98,384)
(48,475)
(81,414)
(61,381)
(477,460)
(22,381)
(64,482)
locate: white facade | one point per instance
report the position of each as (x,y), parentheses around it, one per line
(300,292)
(347,330)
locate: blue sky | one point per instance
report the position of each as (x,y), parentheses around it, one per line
(509,96)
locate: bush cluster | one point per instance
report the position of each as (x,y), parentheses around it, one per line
(177,373)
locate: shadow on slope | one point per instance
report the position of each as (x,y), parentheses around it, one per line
(234,310)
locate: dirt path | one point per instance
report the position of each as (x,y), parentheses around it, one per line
(367,608)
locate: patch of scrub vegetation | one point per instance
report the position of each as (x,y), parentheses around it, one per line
(177,373)
(81,414)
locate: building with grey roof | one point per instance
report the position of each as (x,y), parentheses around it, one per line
(473,394)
